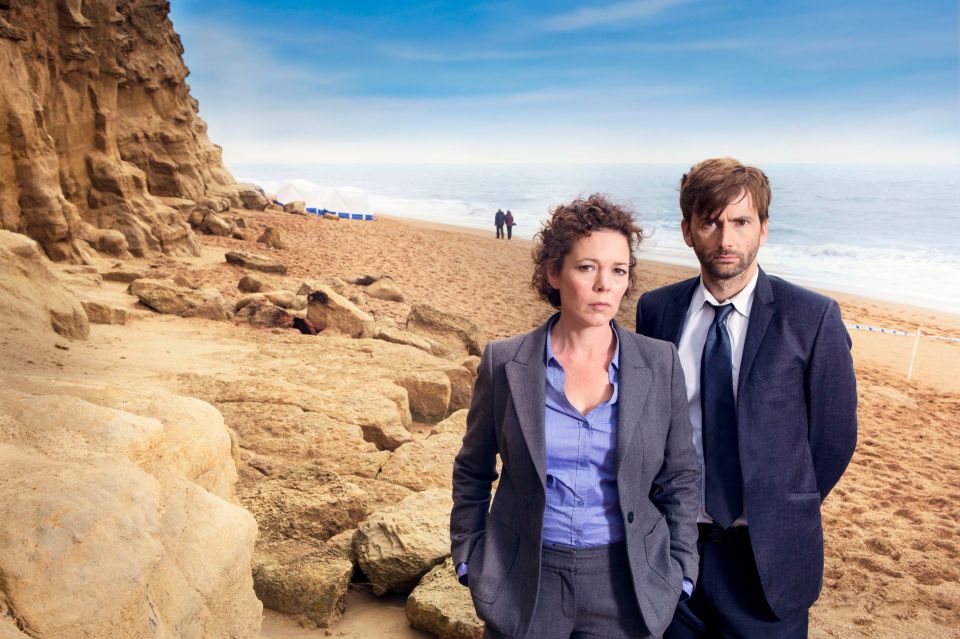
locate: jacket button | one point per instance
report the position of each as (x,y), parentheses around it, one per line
(630,517)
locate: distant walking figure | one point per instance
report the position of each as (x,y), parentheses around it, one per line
(499,219)
(508,218)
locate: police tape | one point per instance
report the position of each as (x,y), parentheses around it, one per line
(894,331)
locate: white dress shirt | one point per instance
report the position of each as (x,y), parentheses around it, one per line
(695,327)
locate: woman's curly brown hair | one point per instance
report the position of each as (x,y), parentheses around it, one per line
(567,224)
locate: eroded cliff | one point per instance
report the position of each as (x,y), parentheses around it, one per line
(103,149)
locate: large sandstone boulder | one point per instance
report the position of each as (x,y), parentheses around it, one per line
(283,431)
(378,407)
(461,386)
(306,503)
(165,296)
(397,546)
(297,207)
(255,261)
(313,584)
(31,299)
(458,334)
(422,464)
(329,311)
(429,394)
(115,521)
(442,607)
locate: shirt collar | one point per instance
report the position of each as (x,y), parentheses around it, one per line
(742,301)
(551,356)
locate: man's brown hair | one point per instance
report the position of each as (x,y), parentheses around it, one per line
(709,186)
(567,224)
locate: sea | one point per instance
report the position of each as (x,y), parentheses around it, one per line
(881,231)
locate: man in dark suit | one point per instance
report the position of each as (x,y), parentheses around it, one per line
(773,404)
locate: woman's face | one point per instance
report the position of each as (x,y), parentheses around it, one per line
(593,278)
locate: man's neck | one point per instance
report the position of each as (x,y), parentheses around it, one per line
(724,289)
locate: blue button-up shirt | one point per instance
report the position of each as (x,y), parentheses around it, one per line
(583,504)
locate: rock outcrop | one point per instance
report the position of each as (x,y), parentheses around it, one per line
(116,519)
(102,136)
(457,334)
(33,300)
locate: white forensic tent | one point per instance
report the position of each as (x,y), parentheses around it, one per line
(340,199)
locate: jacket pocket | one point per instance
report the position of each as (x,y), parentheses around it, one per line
(496,554)
(661,562)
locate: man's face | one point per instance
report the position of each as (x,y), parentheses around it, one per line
(727,244)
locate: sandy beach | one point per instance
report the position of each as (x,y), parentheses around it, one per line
(892,559)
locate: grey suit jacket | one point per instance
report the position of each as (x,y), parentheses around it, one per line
(657,479)
(797,423)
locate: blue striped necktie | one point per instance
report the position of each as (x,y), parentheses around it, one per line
(721,451)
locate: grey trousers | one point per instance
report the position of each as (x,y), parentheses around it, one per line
(584,593)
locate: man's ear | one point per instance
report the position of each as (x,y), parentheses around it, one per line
(687,235)
(763,231)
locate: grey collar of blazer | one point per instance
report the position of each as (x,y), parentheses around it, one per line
(527,378)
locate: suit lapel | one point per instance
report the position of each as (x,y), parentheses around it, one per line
(527,379)
(635,379)
(674,314)
(760,314)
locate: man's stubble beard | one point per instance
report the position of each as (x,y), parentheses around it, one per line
(725,271)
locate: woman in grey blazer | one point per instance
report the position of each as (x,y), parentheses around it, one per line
(592,532)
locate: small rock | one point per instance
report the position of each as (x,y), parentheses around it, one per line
(255,262)
(247,299)
(442,607)
(283,299)
(367,279)
(327,310)
(385,289)
(271,237)
(309,286)
(213,224)
(261,312)
(252,196)
(297,207)
(125,274)
(99,313)
(164,296)
(251,283)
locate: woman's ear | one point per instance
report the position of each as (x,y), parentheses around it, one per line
(553,274)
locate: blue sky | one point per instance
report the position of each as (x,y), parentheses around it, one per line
(576,81)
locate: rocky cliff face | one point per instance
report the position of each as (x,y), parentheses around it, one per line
(103,149)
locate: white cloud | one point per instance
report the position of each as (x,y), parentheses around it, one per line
(610,14)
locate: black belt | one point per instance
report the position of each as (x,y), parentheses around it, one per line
(720,535)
